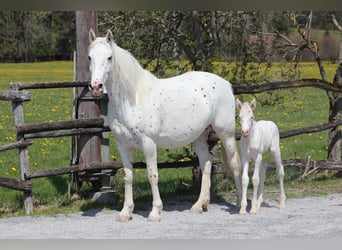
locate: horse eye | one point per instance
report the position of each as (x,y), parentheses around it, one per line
(109,58)
(89,58)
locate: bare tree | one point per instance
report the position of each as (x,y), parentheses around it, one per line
(335,98)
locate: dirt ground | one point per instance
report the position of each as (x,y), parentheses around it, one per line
(307,218)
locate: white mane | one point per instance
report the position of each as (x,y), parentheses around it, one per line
(135,81)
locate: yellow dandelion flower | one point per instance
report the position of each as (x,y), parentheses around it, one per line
(14,169)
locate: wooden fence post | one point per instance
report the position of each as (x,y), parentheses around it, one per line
(18,111)
(95,147)
(88,146)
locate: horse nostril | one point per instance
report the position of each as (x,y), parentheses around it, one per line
(89,86)
(100,86)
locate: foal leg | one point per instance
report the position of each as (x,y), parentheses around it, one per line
(256,180)
(205,159)
(127,160)
(262,176)
(150,151)
(280,172)
(245,180)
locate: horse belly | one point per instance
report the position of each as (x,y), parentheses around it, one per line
(183,118)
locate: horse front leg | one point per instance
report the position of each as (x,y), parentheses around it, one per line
(127,160)
(150,151)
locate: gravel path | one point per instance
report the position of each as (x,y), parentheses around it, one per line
(307,218)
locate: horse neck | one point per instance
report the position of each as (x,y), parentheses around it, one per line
(253,128)
(133,82)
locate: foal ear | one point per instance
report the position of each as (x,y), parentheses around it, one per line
(238,104)
(92,35)
(253,104)
(109,36)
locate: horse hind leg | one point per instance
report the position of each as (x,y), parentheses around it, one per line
(232,161)
(205,160)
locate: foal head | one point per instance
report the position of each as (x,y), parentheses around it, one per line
(246,115)
(100,62)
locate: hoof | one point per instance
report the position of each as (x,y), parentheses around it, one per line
(123,217)
(242,211)
(197,209)
(153,218)
(253,211)
(281,206)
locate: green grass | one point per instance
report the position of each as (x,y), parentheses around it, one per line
(296,108)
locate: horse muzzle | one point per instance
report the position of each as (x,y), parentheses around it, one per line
(96,89)
(245,133)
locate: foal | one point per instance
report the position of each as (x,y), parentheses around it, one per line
(256,138)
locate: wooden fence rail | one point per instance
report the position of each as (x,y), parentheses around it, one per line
(21,185)
(60,125)
(301,83)
(47,85)
(15,96)
(69,132)
(14,145)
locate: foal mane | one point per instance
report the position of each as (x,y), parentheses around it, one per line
(134,80)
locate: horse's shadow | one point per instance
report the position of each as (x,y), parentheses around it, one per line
(167,207)
(186,207)
(92,212)
(232,209)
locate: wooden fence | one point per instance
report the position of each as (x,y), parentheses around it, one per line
(18,95)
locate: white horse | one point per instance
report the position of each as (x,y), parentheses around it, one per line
(256,138)
(145,112)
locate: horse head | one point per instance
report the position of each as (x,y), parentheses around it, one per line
(100,62)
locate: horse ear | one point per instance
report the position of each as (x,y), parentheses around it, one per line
(109,36)
(253,104)
(92,35)
(238,104)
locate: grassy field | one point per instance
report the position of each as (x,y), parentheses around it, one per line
(296,108)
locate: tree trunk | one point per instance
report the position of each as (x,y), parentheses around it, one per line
(335,101)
